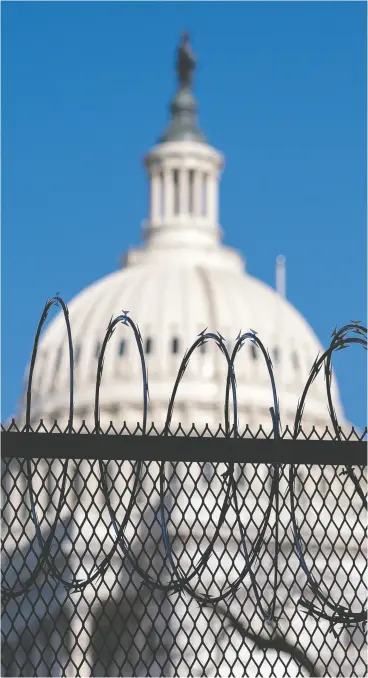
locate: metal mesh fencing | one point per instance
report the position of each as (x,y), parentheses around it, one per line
(184,553)
(195,557)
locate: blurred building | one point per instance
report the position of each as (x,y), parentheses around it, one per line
(179,281)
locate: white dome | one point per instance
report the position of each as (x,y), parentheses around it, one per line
(179,282)
(172,300)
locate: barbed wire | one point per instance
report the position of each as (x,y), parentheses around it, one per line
(181,582)
(339,341)
(44,558)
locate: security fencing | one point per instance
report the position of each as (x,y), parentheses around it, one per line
(160,555)
(155,553)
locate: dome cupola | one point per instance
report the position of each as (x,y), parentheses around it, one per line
(184,173)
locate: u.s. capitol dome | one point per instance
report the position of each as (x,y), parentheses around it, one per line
(180,280)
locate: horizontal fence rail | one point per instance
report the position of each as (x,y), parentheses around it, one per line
(58,445)
(152,553)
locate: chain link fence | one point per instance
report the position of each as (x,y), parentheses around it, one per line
(182,555)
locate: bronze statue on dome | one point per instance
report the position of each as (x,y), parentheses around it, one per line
(186,62)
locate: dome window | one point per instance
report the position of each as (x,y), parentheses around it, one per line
(323,485)
(56,367)
(253,352)
(241,477)
(77,355)
(43,358)
(204,194)
(299,486)
(295,360)
(122,347)
(276,354)
(175,345)
(98,350)
(208,472)
(202,348)
(58,359)
(191,191)
(148,345)
(176,191)
(161,194)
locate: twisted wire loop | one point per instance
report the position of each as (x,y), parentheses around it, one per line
(121,540)
(180,581)
(44,558)
(336,613)
(268,615)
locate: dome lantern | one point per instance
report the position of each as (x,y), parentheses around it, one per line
(184,173)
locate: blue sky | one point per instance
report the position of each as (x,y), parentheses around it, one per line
(282,92)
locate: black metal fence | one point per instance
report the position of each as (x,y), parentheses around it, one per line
(174,555)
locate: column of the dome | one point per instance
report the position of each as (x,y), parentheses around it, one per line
(155,202)
(183,191)
(212,198)
(168,195)
(197,193)
(204,202)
